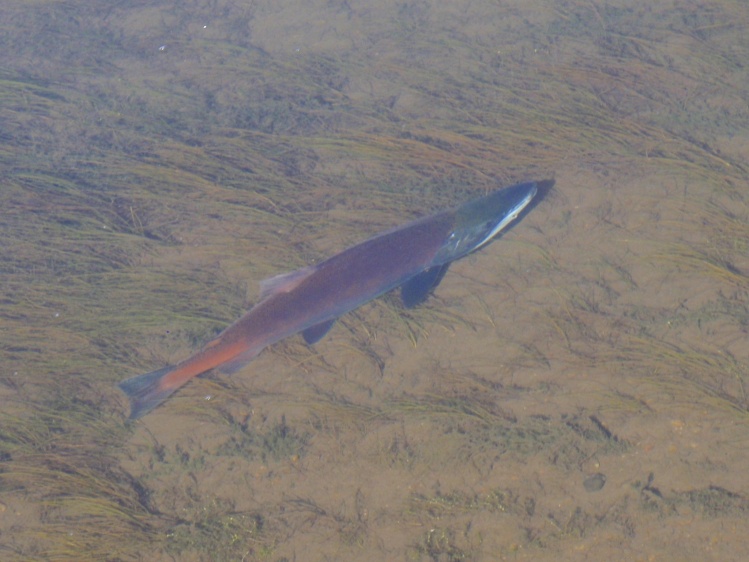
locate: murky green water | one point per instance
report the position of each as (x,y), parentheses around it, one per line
(575,390)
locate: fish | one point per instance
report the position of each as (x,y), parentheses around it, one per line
(414,257)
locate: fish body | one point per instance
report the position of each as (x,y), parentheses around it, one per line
(309,300)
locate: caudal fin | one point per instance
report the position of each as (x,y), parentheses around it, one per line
(145,392)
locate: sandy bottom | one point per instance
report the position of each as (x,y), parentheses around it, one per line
(562,400)
(577,390)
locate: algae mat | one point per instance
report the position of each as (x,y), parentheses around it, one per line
(577,389)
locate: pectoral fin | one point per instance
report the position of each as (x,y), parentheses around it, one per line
(315,333)
(417,289)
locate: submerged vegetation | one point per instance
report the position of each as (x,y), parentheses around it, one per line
(158,161)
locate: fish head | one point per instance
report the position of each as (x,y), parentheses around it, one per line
(481,220)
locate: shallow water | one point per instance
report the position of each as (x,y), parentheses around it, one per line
(576,389)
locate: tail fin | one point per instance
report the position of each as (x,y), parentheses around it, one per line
(145,392)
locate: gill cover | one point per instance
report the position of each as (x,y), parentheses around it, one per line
(479,221)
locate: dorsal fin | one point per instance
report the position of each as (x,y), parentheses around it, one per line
(285,282)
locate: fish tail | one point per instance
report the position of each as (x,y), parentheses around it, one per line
(146,392)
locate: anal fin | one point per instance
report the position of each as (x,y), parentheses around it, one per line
(234,365)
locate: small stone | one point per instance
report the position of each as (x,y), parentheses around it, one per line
(594,482)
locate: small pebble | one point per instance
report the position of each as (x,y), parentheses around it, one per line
(594,482)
